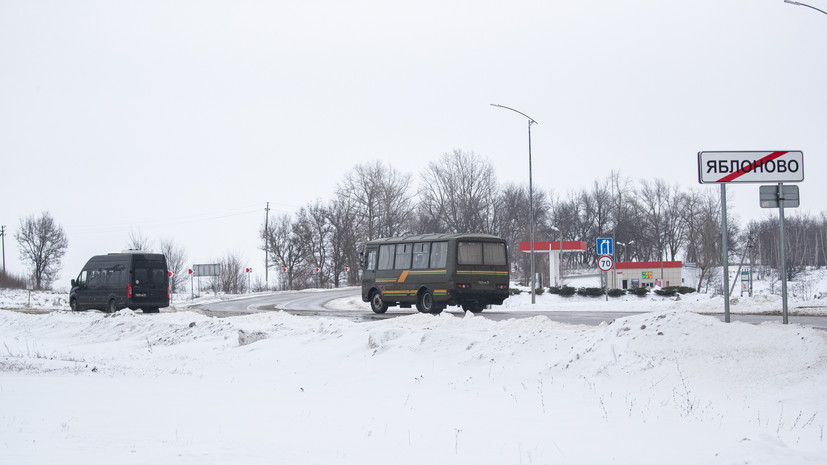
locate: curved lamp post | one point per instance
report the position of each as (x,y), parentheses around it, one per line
(804,4)
(530,197)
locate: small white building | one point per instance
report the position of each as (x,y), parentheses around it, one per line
(631,275)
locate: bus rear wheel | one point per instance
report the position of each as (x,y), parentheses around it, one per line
(377,304)
(425,302)
(474,307)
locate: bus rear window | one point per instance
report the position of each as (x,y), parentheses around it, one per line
(481,253)
(494,253)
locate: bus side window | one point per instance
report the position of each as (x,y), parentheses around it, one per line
(403,256)
(421,250)
(371,262)
(386,255)
(439,254)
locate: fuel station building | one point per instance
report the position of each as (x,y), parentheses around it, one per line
(631,275)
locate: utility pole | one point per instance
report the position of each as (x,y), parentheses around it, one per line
(266,247)
(3,237)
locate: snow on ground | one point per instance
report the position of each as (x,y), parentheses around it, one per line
(667,386)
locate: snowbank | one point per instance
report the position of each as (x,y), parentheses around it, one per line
(179,387)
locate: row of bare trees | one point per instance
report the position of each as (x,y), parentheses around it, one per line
(459,192)
(804,238)
(318,245)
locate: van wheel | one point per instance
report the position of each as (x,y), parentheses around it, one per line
(151,310)
(73,304)
(112,308)
(425,302)
(377,304)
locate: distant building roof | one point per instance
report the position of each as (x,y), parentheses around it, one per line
(647,265)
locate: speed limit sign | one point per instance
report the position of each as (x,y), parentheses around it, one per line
(605,263)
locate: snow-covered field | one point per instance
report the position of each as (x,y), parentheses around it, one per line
(668,386)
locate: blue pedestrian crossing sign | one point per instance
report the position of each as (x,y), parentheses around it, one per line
(605,246)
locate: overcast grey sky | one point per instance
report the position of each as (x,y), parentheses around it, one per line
(181,119)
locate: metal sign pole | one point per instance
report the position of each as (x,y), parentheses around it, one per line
(724,252)
(783,267)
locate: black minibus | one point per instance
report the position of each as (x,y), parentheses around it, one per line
(122,280)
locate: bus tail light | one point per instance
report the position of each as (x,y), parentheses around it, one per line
(502,286)
(128,291)
(463,286)
(168,292)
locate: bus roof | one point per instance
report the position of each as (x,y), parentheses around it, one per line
(435,237)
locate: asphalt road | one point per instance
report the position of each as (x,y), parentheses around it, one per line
(312,303)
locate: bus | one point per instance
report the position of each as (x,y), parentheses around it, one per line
(433,271)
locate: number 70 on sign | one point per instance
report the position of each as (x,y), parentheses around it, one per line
(605,263)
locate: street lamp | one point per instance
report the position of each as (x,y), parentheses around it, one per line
(624,244)
(804,4)
(530,198)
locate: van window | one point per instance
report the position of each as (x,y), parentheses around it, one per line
(95,278)
(150,277)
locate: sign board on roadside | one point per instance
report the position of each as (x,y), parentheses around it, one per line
(605,246)
(605,263)
(212,269)
(770,199)
(744,167)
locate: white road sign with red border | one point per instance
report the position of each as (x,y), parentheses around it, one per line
(605,263)
(768,166)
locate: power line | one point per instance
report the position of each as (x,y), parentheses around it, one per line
(187,219)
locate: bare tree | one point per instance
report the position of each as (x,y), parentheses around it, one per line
(42,244)
(233,279)
(137,241)
(702,213)
(459,192)
(313,230)
(285,249)
(380,198)
(176,262)
(343,241)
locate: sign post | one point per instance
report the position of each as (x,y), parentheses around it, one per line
(750,167)
(211,269)
(605,263)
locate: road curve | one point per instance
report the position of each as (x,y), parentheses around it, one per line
(313,303)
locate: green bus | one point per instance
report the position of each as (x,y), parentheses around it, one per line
(435,270)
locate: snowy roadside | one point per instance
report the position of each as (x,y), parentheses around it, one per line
(761,303)
(180,387)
